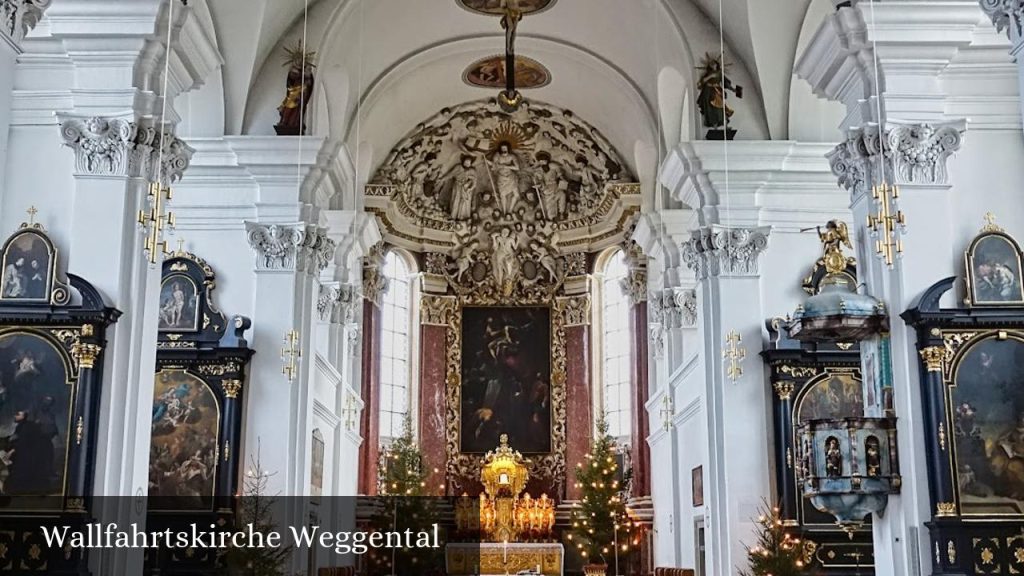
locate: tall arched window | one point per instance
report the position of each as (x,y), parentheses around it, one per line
(396,347)
(616,346)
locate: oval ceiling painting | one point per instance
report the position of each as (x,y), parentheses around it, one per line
(490,73)
(498,7)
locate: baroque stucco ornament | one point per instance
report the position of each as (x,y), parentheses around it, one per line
(499,199)
(722,251)
(911,154)
(1005,15)
(21,16)
(119,147)
(298,247)
(337,303)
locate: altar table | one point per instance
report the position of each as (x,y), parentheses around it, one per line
(498,559)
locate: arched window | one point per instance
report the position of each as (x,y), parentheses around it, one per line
(616,346)
(396,347)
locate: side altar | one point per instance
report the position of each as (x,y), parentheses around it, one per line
(511,531)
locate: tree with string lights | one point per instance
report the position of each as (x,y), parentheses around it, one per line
(257,508)
(777,552)
(602,530)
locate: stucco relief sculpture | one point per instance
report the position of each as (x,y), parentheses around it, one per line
(506,189)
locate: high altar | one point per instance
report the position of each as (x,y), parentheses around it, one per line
(515,529)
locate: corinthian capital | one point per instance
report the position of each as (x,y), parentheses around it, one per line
(21,16)
(1006,15)
(722,251)
(298,247)
(119,147)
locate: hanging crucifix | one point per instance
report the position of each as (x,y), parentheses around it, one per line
(510,99)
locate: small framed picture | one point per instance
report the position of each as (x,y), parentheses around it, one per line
(698,486)
(994,275)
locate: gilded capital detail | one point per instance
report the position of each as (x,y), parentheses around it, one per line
(438,310)
(119,147)
(575,309)
(85,354)
(231,388)
(723,251)
(933,357)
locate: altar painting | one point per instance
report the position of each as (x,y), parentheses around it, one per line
(179,304)
(183,456)
(506,379)
(27,267)
(988,427)
(35,405)
(994,270)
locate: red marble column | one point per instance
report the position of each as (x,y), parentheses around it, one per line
(369,427)
(433,372)
(641,454)
(578,412)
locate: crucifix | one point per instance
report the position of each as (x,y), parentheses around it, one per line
(32,215)
(510,98)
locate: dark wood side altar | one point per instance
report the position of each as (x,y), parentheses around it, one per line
(972,361)
(812,381)
(196,436)
(52,339)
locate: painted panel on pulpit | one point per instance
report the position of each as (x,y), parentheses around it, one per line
(838,395)
(988,427)
(506,379)
(35,407)
(179,304)
(183,455)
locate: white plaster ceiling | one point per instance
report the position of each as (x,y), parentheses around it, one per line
(402,60)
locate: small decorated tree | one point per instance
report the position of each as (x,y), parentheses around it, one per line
(602,530)
(257,508)
(777,552)
(405,502)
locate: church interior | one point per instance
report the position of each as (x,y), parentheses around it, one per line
(588,287)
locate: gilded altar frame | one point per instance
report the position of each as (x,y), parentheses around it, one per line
(463,466)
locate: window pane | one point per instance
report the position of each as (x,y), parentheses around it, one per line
(617,342)
(396,323)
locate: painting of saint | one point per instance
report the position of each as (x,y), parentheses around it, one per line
(183,453)
(26,272)
(995,271)
(490,73)
(499,7)
(179,301)
(506,379)
(35,406)
(988,427)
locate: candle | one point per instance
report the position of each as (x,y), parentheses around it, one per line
(504,551)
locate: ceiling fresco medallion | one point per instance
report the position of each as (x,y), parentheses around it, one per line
(490,73)
(498,7)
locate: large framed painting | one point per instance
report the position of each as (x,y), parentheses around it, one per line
(506,379)
(993,263)
(179,304)
(183,452)
(36,396)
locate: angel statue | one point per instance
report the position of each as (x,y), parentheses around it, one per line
(301,65)
(713,85)
(835,235)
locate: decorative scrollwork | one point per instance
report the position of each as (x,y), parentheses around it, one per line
(798,371)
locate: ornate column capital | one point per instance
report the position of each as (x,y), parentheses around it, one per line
(725,251)
(909,153)
(120,147)
(575,309)
(297,247)
(375,283)
(337,303)
(438,310)
(1005,15)
(21,16)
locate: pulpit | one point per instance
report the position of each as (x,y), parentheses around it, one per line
(513,527)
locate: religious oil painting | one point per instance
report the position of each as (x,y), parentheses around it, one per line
(35,408)
(490,73)
(994,270)
(838,395)
(183,455)
(499,7)
(27,268)
(988,427)
(179,304)
(506,379)
(316,476)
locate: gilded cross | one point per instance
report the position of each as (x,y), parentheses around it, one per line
(290,355)
(990,218)
(156,221)
(32,215)
(181,246)
(734,354)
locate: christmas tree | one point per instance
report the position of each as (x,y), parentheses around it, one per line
(602,530)
(256,508)
(777,553)
(405,503)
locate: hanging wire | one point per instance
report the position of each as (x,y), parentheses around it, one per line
(878,97)
(163,110)
(302,97)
